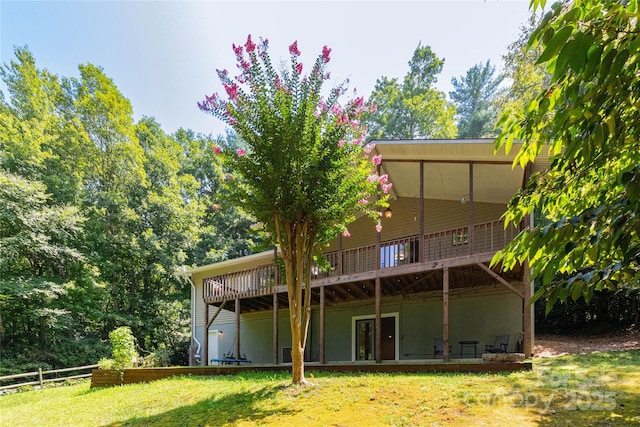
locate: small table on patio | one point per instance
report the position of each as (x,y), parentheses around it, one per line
(470,343)
(230,360)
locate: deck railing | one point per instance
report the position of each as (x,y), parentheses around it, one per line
(486,237)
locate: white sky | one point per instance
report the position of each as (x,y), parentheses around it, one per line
(163,55)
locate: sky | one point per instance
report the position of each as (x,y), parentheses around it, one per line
(162,55)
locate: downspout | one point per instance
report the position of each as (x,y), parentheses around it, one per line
(193,318)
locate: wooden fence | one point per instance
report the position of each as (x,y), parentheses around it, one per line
(40,374)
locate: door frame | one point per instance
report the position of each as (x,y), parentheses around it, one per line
(373,316)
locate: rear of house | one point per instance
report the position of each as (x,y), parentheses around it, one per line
(420,289)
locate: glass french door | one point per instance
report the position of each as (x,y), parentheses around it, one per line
(366,339)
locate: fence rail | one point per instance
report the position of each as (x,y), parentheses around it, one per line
(40,376)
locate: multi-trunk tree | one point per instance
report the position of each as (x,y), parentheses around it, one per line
(303,170)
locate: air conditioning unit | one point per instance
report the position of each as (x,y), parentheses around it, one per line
(286,355)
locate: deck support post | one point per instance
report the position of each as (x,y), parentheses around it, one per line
(445,314)
(275,327)
(339,264)
(471,219)
(528,340)
(238,328)
(421,241)
(276,283)
(205,350)
(378,326)
(323,357)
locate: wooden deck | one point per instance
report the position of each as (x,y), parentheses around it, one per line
(454,248)
(108,378)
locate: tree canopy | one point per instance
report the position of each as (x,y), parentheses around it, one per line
(97,212)
(303,170)
(586,115)
(474,97)
(412,108)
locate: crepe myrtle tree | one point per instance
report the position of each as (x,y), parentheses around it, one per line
(304,171)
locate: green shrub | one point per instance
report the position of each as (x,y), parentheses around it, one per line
(105,363)
(123,348)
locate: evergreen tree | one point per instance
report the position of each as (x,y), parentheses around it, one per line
(474,97)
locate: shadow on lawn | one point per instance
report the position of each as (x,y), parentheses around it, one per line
(215,411)
(599,389)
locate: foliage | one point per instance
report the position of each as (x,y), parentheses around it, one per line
(587,117)
(606,311)
(412,108)
(568,390)
(474,97)
(123,347)
(304,171)
(527,77)
(97,213)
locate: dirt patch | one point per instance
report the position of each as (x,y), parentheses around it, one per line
(546,345)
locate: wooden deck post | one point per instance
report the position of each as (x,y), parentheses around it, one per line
(421,242)
(471,219)
(378,293)
(323,357)
(205,350)
(378,327)
(339,266)
(445,314)
(528,340)
(276,283)
(238,328)
(275,326)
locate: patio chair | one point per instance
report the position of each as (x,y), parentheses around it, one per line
(438,347)
(499,345)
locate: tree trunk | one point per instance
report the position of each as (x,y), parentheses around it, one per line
(296,250)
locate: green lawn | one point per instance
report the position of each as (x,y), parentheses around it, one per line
(598,389)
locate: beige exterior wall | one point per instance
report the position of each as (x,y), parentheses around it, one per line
(439,215)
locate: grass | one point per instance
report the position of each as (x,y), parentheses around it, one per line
(599,389)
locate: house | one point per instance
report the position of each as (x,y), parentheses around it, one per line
(420,289)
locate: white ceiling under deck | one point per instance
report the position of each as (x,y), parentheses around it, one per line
(446,169)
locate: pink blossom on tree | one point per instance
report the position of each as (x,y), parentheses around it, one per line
(369,147)
(295,135)
(386,188)
(383,179)
(217,150)
(325,54)
(293,49)
(378,228)
(249,45)
(232,91)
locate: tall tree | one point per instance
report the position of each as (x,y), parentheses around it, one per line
(225,231)
(36,140)
(527,77)
(587,116)
(412,108)
(474,97)
(36,257)
(304,173)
